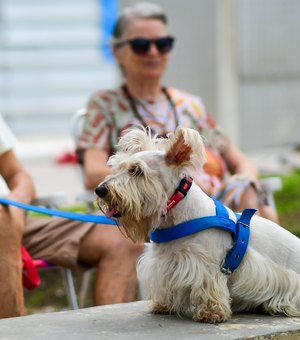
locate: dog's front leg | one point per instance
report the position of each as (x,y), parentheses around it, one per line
(212,300)
(159,308)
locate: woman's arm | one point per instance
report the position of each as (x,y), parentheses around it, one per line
(95,168)
(17,179)
(238,163)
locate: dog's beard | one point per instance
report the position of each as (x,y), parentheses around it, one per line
(137,231)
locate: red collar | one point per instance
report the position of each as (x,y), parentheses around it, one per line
(181,191)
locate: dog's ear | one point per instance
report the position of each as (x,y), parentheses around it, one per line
(186,148)
(135,140)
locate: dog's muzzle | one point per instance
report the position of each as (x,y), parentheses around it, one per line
(101,191)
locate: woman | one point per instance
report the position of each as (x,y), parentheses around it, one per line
(141,45)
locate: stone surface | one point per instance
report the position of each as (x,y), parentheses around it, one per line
(133,321)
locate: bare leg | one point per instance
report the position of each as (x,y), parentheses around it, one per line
(114,257)
(250,200)
(11,288)
(268,212)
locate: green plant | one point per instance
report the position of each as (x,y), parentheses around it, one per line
(288,202)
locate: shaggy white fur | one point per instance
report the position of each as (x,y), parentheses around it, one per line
(184,276)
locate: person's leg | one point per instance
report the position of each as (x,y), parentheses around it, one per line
(268,212)
(250,199)
(114,257)
(67,243)
(11,288)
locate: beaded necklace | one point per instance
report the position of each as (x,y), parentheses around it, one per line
(137,113)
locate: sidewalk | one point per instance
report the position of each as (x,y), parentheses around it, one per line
(130,321)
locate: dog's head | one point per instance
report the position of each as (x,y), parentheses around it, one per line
(146,172)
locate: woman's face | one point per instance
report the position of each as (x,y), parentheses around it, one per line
(149,65)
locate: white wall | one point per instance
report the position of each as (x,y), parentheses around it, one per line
(50,62)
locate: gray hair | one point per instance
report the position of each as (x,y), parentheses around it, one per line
(144,10)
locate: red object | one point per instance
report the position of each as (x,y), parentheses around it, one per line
(31,278)
(183,188)
(67,158)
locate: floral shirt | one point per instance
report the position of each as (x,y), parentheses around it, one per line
(110,113)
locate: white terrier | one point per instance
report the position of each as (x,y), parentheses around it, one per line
(189,274)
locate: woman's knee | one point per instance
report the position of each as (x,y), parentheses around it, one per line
(249,199)
(107,241)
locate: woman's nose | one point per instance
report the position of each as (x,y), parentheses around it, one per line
(153,49)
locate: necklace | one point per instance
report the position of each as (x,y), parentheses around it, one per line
(136,111)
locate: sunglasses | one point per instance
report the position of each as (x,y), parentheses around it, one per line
(141,46)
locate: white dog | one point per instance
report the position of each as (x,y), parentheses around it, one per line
(188,275)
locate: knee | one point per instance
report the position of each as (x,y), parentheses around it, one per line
(269,213)
(249,199)
(121,247)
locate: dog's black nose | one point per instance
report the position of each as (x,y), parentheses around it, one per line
(101,190)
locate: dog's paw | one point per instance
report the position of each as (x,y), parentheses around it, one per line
(211,316)
(158,308)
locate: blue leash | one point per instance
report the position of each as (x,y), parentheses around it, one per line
(100,219)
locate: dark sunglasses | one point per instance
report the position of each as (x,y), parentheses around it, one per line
(142,46)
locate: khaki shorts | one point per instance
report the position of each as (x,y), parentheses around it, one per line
(55,240)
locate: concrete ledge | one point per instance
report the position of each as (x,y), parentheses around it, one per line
(133,321)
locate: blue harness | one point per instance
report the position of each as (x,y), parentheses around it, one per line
(240,232)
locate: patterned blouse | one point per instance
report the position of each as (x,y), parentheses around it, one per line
(110,113)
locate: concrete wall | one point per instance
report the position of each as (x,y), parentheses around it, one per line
(268,66)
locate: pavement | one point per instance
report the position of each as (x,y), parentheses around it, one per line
(133,321)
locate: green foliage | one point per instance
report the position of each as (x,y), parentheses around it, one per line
(288,202)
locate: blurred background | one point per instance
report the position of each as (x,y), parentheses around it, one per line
(240,56)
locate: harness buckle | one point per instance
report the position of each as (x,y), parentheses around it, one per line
(226,271)
(243,224)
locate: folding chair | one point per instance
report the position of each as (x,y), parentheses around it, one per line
(54,201)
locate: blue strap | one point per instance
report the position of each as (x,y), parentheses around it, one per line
(237,252)
(220,209)
(221,220)
(240,232)
(100,219)
(191,227)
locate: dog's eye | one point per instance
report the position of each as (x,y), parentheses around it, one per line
(135,171)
